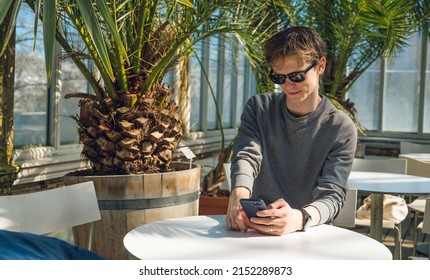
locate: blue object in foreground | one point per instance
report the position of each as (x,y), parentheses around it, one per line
(28,246)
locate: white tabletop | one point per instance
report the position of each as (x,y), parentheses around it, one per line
(206,237)
(378,184)
(389,183)
(417,156)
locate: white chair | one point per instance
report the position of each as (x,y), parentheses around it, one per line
(346,216)
(391,165)
(417,206)
(410,147)
(414,147)
(43,212)
(424,226)
(417,167)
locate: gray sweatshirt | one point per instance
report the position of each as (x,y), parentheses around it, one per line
(304,160)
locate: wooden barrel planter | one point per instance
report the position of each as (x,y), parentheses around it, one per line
(128,201)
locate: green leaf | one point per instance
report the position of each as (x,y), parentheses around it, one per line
(4,9)
(106,15)
(93,27)
(49,29)
(36,20)
(186,3)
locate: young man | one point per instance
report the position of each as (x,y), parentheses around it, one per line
(294,149)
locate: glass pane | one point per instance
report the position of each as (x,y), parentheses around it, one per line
(365,95)
(72,82)
(227,90)
(30,118)
(402,90)
(213,79)
(240,100)
(426,125)
(195,88)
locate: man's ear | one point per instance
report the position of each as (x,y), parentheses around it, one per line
(321,65)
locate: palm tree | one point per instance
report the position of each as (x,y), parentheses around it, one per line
(8,170)
(130,125)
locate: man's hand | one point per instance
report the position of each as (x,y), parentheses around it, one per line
(278,219)
(236,218)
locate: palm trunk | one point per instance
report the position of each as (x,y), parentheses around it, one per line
(8,170)
(183,96)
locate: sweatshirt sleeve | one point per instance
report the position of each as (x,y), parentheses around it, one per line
(247,154)
(330,192)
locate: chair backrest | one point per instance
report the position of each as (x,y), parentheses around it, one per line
(426,221)
(418,167)
(346,216)
(227,174)
(391,165)
(410,147)
(50,210)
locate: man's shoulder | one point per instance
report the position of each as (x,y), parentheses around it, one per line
(338,115)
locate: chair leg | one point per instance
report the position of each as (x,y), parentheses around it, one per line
(90,236)
(398,243)
(413,216)
(415,240)
(415,232)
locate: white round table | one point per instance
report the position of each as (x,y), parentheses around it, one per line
(380,183)
(206,238)
(390,183)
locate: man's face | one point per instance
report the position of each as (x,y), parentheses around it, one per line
(299,92)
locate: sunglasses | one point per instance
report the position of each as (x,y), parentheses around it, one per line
(295,77)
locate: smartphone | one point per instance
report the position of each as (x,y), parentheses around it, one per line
(251,206)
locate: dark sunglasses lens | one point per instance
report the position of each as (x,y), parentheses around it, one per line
(297,78)
(277,79)
(280,79)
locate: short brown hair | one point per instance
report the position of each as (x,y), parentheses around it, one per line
(301,41)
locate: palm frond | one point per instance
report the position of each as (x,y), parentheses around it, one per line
(49,29)
(92,24)
(5,6)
